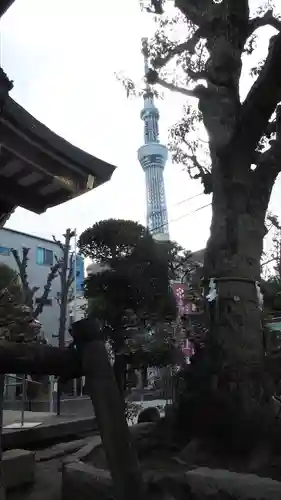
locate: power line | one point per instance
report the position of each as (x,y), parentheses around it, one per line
(188,199)
(182,216)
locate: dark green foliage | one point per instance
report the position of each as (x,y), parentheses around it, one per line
(138,284)
(154,348)
(272,295)
(108,241)
(181,265)
(134,288)
(15,318)
(9,278)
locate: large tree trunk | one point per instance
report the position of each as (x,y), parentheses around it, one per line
(233,259)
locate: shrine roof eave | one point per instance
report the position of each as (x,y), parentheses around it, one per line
(4,6)
(33,128)
(38,168)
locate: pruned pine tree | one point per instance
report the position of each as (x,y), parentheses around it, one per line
(131,290)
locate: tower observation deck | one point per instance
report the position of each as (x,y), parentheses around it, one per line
(153,157)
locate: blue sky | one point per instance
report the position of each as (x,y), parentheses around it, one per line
(63,60)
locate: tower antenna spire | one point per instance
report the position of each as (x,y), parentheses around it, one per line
(144,44)
(152,157)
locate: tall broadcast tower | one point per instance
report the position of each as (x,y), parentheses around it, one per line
(152,157)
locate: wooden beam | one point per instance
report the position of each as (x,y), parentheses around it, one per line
(6,209)
(4,6)
(37,359)
(108,405)
(41,158)
(15,194)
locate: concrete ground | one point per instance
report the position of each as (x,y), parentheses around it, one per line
(80,405)
(50,428)
(11,417)
(14,416)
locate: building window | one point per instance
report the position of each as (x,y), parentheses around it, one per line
(44,257)
(47,302)
(5,251)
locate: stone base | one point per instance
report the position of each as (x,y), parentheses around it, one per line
(212,484)
(85,482)
(18,468)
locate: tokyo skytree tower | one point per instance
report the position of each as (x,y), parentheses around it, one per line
(153,157)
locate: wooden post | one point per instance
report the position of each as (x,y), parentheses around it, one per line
(39,360)
(109,410)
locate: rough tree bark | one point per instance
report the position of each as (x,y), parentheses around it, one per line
(240,196)
(232,257)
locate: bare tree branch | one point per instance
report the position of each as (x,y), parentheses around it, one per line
(66,279)
(267,19)
(189,45)
(274,221)
(175,88)
(196,75)
(27,291)
(156,7)
(260,103)
(196,164)
(21,263)
(47,288)
(153,78)
(270,160)
(199,12)
(58,243)
(70,277)
(269,163)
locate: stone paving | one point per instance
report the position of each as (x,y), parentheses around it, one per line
(47,483)
(14,416)
(48,462)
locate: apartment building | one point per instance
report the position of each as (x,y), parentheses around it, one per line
(41,257)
